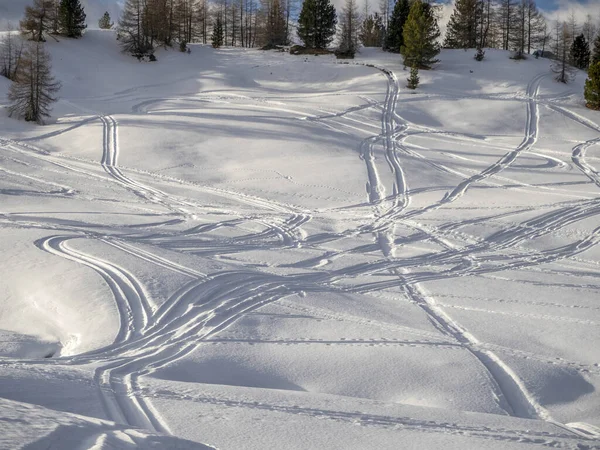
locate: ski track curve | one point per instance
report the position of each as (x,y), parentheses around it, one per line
(152,336)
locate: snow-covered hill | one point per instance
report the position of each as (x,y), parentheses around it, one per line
(247,249)
(11,11)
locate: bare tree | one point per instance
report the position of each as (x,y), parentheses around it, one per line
(589,28)
(11,50)
(34,88)
(40,18)
(349,28)
(560,66)
(134,29)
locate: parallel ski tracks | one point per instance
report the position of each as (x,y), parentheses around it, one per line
(154,335)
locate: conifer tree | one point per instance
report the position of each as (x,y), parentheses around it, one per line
(39,19)
(217,34)
(105,23)
(462,27)
(275,24)
(596,52)
(580,52)
(316,24)
(11,50)
(421,33)
(349,30)
(133,26)
(394,36)
(592,87)
(413,80)
(71,18)
(564,72)
(34,88)
(371,31)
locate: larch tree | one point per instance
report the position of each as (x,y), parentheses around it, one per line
(591,91)
(71,18)
(580,52)
(317,23)
(11,50)
(349,29)
(394,38)
(506,16)
(275,26)
(421,34)
(462,31)
(560,66)
(589,28)
(34,88)
(385,8)
(40,19)
(105,23)
(133,29)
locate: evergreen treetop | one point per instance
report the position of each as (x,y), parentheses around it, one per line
(71,18)
(217,34)
(462,27)
(317,23)
(395,37)
(105,23)
(580,52)
(421,34)
(371,31)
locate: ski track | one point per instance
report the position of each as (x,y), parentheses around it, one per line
(152,336)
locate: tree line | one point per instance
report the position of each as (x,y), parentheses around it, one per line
(148,24)
(408,27)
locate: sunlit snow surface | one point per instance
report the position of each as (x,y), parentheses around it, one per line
(253,250)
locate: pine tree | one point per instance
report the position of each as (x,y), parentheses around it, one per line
(592,87)
(371,31)
(349,30)
(316,24)
(275,26)
(596,53)
(421,33)
(34,88)
(133,27)
(71,18)
(413,80)
(39,19)
(462,27)
(104,23)
(580,52)
(394,37)
(217,34)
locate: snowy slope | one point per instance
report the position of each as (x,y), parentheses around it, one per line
(247,249)
(12,11)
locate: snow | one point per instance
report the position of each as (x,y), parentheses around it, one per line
(247,249)
(11,11)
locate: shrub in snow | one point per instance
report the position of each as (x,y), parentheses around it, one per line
(480,54)
(413,79)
